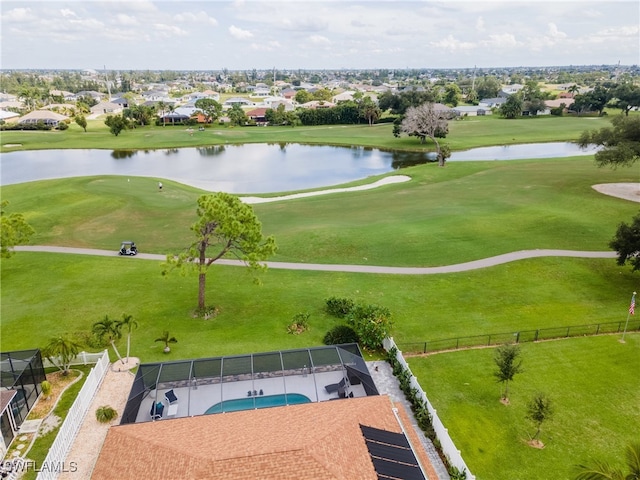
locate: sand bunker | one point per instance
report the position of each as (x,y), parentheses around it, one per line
(627,191)
(384,181)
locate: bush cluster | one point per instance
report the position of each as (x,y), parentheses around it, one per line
(340,334)
(25,126)
(370,323)
(299,324)
(339,307)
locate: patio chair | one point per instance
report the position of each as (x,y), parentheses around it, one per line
(156,410)
(170,397)
(334,387)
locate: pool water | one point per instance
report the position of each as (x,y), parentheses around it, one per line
(262,401)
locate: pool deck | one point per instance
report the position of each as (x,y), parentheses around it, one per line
(196,400)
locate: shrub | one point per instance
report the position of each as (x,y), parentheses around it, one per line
(372,323)
(299,324)
(46,388)
(340,334)
(105,414)
(339,307)
(62,126)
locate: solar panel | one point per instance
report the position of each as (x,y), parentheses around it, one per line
(391,455)
(397,470)
(383,436)
(404,455)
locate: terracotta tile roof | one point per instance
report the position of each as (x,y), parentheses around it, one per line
(311,441)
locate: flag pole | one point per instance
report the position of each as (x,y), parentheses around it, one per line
(632,308)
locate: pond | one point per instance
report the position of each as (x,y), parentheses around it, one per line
(248,168)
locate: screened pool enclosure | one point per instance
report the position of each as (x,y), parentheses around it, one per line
(222,384)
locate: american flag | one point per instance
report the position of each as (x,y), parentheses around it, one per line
(632,307)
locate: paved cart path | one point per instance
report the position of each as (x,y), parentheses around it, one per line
(459,267)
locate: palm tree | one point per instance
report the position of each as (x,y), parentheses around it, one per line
(128,322)
(161,107)
(110,330)
(61,351)
(604,471)
(166,339)
(573,89)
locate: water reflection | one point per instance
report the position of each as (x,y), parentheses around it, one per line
(119,154)
(250,168)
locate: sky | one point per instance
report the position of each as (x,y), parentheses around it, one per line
(315,34)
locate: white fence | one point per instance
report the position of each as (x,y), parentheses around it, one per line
(83,358)
(55,464)
(448,447)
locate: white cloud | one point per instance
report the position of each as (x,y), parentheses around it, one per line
(304,24)
(200,17)
(126,20)
(501,40)
(480,24)
(266,47)
(554,32)
(19,15)
(239,33)
(591,13)
(319,40)
(452,44)
(68,13)
(168,31)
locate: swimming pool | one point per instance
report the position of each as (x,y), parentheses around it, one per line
(265,401)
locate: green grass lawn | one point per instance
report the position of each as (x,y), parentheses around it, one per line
(464,134)
(48,294)
(463,212)
(592,382)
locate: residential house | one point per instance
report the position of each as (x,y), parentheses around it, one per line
(106,108)
(97,96)
(492,102)
(510,89)
(313,104)
(258,115)
(243,102)
(8,116)
(471,111)
(45,116)
(361,434)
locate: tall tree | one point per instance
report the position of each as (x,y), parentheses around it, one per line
(369,110)
(14,230)
(109,330)
(452,95)
(225,225)
(81,121)
(512,108)
(210,108)
(573,89)
(627,243)
(621,144)
(424,122)
(539,410)
(509,364)
(130,324)
(237,115)
(116,124)
(488,87)
(60,351)
(600,470)
(626,96)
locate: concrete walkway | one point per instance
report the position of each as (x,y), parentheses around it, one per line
(459,267)
(86,447)
(388,384)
